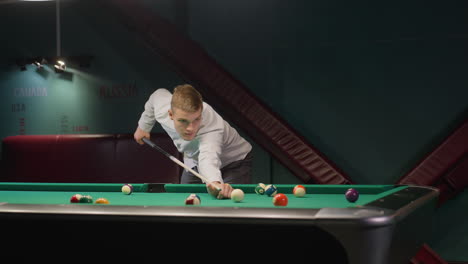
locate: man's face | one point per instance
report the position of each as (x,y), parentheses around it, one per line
(186,124)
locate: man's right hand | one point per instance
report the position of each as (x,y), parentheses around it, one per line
(139,135)
(224,193)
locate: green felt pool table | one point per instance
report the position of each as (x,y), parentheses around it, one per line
(387,224)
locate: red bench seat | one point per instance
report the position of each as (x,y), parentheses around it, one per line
(91,158)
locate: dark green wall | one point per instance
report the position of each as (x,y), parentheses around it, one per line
(374,86)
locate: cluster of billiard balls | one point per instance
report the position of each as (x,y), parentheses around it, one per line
(279,199)
(237,195)
(79,198)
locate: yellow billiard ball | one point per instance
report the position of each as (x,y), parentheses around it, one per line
(102,201)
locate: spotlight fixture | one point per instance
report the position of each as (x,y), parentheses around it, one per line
(56,62)
(60,66)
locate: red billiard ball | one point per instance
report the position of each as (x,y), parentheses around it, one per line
(75,198)
(271,190)
(193,199)
(280,199)
(352,195)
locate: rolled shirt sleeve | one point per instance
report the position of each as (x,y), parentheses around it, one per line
(155,108)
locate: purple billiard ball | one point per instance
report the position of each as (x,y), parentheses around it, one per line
(352,195)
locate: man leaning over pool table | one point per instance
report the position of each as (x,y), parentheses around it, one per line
(210,145)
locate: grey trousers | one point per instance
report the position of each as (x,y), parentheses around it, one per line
(237,172)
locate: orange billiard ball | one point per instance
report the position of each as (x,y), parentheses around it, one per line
(102,201)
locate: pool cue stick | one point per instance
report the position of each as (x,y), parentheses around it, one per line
(174,159)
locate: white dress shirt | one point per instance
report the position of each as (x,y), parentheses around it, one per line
(216,144)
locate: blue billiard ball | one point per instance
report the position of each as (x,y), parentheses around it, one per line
(271,190)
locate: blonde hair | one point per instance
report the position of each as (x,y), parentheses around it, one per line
(186,98)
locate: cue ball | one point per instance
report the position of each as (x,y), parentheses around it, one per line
(299,191)
(271,190)
(237,195)
(280,200)
(352,195)
(127,189)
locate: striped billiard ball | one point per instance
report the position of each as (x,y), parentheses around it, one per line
(193,199)
(299,190)
(271,190)
(127,189)
(260,189)
(76,198)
